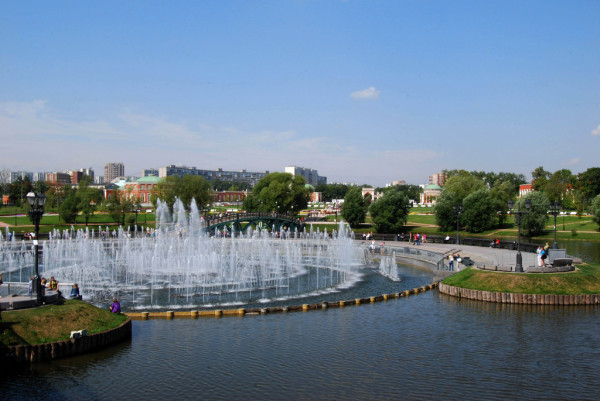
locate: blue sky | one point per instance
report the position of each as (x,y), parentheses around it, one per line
(362,91)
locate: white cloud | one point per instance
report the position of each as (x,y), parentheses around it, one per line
(596,132)
(369,93)
(572,162)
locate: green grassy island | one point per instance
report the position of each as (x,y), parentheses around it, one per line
(54,323)
(584,280)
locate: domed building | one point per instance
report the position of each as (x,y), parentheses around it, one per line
(430,194)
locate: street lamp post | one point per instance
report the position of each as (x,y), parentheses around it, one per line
(336,210)
(458,209)
(36,210)
(136,210)
(555,211)
(519,214)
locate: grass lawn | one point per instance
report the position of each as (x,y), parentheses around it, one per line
(50,222)
(585,280)
(55,322)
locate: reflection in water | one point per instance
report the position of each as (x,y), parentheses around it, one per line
(427,346)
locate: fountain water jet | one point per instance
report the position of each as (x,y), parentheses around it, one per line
(180,266)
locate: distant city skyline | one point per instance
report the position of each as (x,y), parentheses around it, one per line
(364,92)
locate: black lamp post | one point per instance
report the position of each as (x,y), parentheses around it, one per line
(554,211)
(336,210)
(136,210)
(36,210)
(458,209)
(519,213)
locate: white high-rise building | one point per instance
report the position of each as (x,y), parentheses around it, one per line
(113,170)
(311,176)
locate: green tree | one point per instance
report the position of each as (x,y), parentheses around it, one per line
(68,208)
(55,195)
(456,189)
(353,209)
(596,210)
(281,192)
(193,187)
(413,192)
(41,187)
(500,194)
(19,189)
(332,191)
(390,212)
(588,184)
(559,184)
(219,185)
(185,188)
(533,222)
(445,216)
(479,212)
(87,198)
(540,179)
(463,184)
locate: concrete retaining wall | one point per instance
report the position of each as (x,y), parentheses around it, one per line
(516,298)
(61,349)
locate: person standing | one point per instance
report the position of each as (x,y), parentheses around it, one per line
(539,255)
(451,262)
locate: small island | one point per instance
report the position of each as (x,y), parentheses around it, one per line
(579,287)
(44,333)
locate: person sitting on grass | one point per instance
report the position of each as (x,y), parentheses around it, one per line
(74,292)
(116,306)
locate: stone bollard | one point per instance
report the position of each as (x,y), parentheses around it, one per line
(170,315)
(194,314)
(145,315)
(218,313)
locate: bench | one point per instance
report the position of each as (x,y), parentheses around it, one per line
(559,262)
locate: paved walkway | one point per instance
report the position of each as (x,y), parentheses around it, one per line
(25,301)
(480,255)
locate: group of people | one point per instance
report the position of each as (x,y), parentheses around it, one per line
(417,239)
(451,259)
(495,243)
(542,255)
(52,285)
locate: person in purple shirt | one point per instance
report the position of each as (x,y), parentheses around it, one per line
(116,306)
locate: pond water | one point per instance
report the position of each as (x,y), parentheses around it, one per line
(427,346)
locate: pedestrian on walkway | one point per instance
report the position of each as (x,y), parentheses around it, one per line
(451,262)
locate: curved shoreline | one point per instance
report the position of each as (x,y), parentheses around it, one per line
(194,314)
(61,349)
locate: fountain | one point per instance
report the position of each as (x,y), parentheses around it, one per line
(388,267)
(178,265)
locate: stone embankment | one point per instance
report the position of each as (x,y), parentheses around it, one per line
(61,349)
(517,298)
